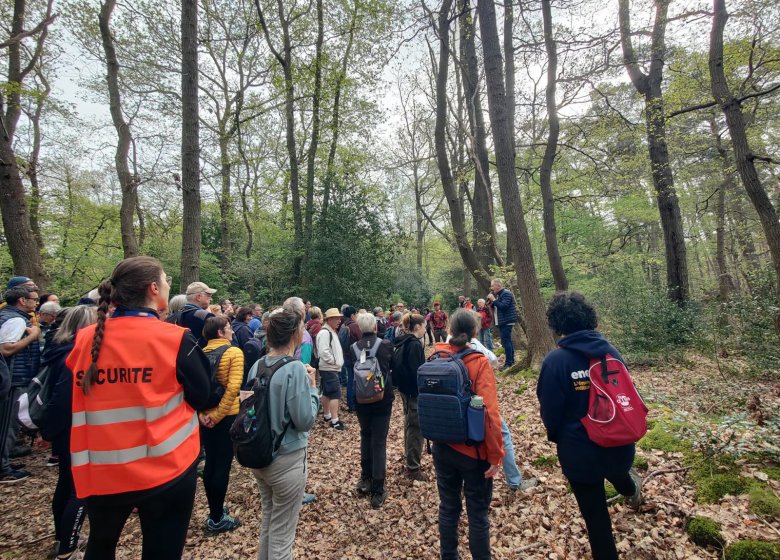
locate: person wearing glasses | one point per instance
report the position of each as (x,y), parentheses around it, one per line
(21,350)
(195,312)
(215,422)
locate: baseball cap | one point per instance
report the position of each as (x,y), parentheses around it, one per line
(199,287)
(17,281)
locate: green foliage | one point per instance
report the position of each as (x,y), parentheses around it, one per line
(640,462)
(710,490)
(641,321)
(752,550)
(353,254)
(545,461)
(665,436)
(610,491)
(704,532)
(412,287)
(763,501)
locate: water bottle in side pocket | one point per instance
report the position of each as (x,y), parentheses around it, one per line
(475,416)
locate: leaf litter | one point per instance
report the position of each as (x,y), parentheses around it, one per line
(543,523)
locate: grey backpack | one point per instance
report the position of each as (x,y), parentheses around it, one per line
(369,381)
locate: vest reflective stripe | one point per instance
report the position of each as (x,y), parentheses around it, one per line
(127,414)
(122,456)
(131,432)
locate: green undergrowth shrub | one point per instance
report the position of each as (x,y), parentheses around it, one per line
(545,461)
(705,532)
(642,322)
(763,501)
(640,462)
(752,550)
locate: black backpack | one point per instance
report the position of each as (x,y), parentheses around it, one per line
(217,390)
(254,349)
(253,441)
(176,318)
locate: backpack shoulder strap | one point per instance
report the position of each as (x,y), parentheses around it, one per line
(375,347)
(215,356)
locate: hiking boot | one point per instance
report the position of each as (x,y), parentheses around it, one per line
(378,498)
(14,476)
(635,500)
(309,498)
(227,523)
(364,486)
(525,485)
(339,425)
(16,466)
(20,451)
(415,474)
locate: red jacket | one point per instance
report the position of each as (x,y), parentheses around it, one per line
(439,320)
(483,383)
(487,317)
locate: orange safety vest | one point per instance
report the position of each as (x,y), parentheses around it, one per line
(134,431)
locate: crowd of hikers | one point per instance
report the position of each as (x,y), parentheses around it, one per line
(141,392)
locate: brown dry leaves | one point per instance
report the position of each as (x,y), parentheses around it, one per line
(544,524)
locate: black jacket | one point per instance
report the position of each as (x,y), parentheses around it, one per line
(383,355)
(408,355)
(241,333)
(563,392)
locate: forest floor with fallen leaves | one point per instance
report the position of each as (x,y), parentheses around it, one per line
(721,413)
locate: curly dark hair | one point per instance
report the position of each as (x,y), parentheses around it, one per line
(570,312)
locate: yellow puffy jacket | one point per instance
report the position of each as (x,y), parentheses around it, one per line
(230,375)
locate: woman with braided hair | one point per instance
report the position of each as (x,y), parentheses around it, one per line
(134,437)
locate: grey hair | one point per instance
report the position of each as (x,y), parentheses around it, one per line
(50,308)
(397,316)
(176,303)
(76,318)
(295,305)
(366,322)
(498,281)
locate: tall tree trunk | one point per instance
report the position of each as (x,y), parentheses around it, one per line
(540,339)
(225,202)
(743,157)
(311,155)
(32,169)
(284,57)
(190,145)
(649,85)
(448,183)
(482,211)
(725,283)
(22,245)
(336,112)
(545,173)
(126,178)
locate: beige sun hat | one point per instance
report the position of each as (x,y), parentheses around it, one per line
(332,312)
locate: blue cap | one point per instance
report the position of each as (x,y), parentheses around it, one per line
(17,281)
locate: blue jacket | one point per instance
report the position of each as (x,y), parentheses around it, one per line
(563,392)
(505,307)
(24,364)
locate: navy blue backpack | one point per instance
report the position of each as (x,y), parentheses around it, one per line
(444,394)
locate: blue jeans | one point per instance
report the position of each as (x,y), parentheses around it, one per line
(486,338)
(506,342)
(457,473)
(513,476)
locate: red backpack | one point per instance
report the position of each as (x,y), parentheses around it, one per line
(616,415)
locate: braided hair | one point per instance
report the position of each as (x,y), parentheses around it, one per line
(126,286)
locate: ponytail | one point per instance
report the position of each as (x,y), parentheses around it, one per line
(463,327)
(411,320)
(105,291)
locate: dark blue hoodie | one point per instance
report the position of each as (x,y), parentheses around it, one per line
(563,390)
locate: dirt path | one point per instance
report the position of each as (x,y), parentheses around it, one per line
(542,524)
